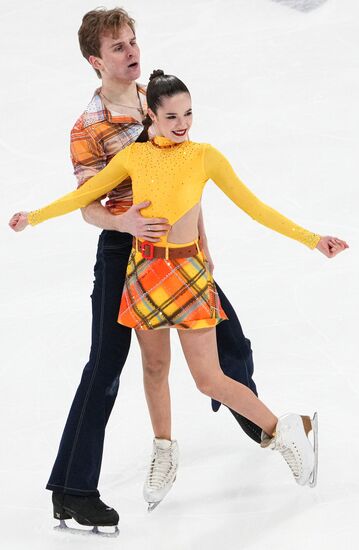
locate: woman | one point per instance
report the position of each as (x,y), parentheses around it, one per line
(169,285)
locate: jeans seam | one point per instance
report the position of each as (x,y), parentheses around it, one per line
(91,381)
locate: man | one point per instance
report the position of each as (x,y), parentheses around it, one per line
(111,122)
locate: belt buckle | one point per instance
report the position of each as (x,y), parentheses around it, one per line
(143,251)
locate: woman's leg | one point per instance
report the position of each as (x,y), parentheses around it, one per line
(156,358)
(210,379)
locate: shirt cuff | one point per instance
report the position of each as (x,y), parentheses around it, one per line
(313,240)
(33,217)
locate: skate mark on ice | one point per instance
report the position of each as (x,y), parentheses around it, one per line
(301,5)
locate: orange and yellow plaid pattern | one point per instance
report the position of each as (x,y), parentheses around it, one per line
(178,293)
(96,138)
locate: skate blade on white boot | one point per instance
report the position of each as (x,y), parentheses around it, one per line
(162,472)
(153,505)
(292,440)
(314,475)
(62,527)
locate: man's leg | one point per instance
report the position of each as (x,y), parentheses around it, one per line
(235,357)
(77,467)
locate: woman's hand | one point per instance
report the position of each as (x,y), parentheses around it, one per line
(331,246)
(208,257)
(19,221)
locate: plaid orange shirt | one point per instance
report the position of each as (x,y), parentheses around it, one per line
(96,137)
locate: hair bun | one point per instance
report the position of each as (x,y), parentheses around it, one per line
(156,73)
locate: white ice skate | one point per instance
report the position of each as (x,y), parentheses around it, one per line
(162,471)
(291,440)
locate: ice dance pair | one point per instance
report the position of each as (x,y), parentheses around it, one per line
(169,285)
(168,282)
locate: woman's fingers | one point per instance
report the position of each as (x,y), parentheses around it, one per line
(13,222)
(342,243)
(19,221)
(331,246)
(339,242)
(336,250)
(14,218)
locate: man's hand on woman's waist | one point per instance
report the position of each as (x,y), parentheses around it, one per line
(132,221)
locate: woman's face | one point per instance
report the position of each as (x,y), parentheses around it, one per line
(174,117)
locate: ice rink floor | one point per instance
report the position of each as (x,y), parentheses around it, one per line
(276,90)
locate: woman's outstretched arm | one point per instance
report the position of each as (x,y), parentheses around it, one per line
(112,175)
(221,172)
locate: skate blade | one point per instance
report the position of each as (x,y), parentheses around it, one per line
(313,476)
(152,506)
(86,532)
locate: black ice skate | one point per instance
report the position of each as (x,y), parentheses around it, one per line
(89,511)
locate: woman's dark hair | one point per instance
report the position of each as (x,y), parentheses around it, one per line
(160,85)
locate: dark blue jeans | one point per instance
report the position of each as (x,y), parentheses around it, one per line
(77,467)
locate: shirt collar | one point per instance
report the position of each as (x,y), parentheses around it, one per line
(96,111)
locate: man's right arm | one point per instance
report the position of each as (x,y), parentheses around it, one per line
(96,214)
(88,158)
(131,221)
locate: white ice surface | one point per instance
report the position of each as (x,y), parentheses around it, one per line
(275,89)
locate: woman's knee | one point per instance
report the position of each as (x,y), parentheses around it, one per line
(156,367)
(209,385)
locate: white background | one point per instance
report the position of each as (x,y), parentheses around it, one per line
(276,90)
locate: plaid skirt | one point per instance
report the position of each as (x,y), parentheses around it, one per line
(178,293)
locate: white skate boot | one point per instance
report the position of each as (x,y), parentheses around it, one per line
(291,440)
(162,471)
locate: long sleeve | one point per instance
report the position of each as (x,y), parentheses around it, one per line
(114,173)
(218,169)
(87,152)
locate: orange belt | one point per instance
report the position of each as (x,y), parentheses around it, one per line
(150,251)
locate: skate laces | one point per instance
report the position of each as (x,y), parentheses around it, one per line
(290,455)
(161,468)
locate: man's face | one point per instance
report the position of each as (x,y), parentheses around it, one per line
(120,56)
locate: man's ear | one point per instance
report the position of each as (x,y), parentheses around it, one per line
(95,62)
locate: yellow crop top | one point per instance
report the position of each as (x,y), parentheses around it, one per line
(172,176)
